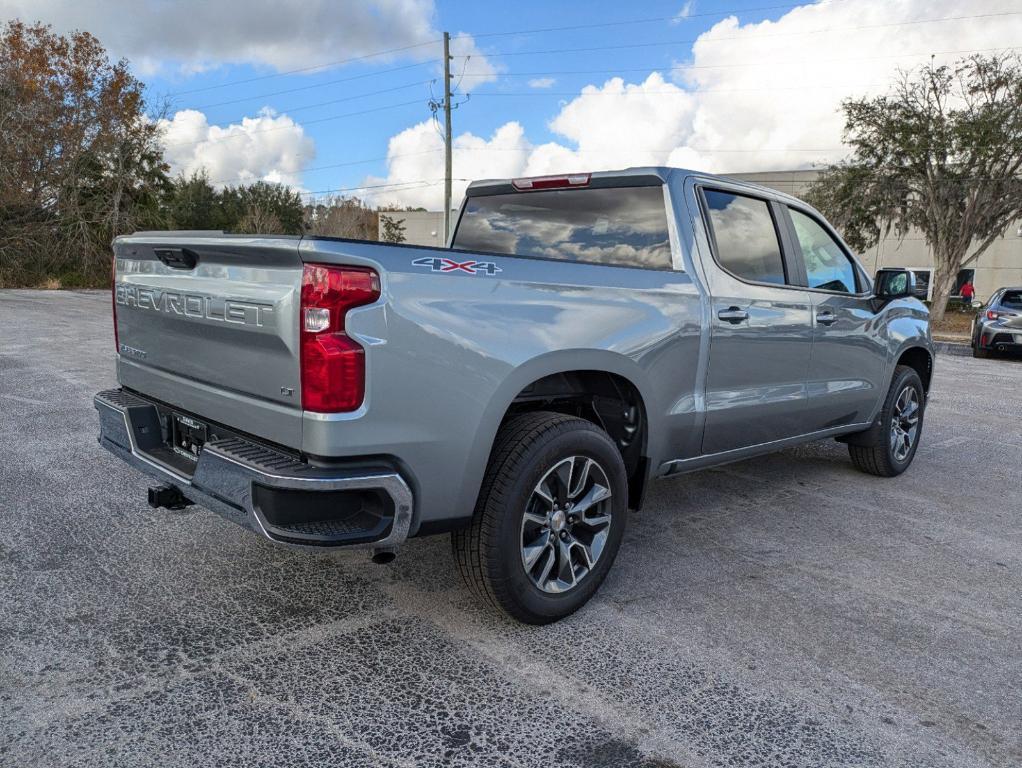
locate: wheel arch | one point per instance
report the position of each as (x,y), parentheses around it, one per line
(560,381)
(921,360)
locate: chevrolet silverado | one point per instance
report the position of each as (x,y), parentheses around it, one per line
(519,389)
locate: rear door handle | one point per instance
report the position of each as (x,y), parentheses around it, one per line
(826,317)
(733,315)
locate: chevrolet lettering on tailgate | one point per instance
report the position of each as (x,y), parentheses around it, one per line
(193,305)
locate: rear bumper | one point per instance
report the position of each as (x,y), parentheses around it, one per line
(270,492)
(1001,342)
(991,335)
(1004,346)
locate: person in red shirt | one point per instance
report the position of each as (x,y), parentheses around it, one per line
(968,292)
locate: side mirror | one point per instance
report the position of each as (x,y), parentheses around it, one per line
(894,283)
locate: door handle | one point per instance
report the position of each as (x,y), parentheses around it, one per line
(733,315)
(826,317)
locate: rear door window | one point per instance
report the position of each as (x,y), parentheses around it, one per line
(745,236)
(625,226)
(1012,299)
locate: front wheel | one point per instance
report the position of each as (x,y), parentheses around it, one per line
(888,447)
(549,519)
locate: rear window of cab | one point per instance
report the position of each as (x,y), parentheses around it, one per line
(622,226)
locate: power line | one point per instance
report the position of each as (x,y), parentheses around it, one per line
(387,158)
(705,39)
(422,184)
(257,96)
(292,110)
(346,164)
(651,19)
(758,63)
(680,91)
(566,93)
(324,65)
(340,62)
(402,184)
(336,81)
(376,54)
(292,125)
(593,150)
(401,49)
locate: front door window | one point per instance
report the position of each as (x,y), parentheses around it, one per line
(828,267)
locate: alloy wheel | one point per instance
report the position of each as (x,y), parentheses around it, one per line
(904,423)
(566,524)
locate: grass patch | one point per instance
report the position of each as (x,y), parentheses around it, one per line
(955,322)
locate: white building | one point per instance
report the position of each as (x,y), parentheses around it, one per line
(421,227)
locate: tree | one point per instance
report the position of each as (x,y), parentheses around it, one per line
(194,203)
(261,208)
(267,205)
(940,154)
(347,217)
(392,230)
(260,221)
(80,160)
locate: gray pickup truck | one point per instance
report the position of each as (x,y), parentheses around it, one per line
(519,389)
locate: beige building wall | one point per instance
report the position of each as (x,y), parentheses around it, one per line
(999,266)
(421,227)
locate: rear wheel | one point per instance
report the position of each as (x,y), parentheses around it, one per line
(888,447)
(981,352)
(549,519)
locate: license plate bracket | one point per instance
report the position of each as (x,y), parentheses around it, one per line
(187,436)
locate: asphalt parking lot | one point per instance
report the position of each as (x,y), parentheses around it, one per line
(781,611)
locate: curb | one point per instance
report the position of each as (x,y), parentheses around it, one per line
(959,349)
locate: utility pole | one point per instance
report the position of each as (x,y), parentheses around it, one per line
(447,136)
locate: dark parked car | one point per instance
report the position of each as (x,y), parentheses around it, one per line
(998,325)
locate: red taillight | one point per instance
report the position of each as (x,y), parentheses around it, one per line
(552,182)
(113,301)
(333,364)
(991,315)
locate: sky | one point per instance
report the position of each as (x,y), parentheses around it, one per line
(333,96)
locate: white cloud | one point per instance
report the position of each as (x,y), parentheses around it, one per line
(620,124)
(541,82)
(416,154)
(648,114)
(193,35)
(759,96)
(267,147)
(750,116)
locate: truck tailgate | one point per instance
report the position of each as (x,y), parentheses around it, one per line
(210,325)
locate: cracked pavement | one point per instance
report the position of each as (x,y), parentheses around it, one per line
(783,611)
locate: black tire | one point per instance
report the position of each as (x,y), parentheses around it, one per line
(489,552)
(872,451)
(980,352)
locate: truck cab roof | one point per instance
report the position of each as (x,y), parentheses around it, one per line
(645,175)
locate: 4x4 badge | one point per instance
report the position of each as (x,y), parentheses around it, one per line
(438,264)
